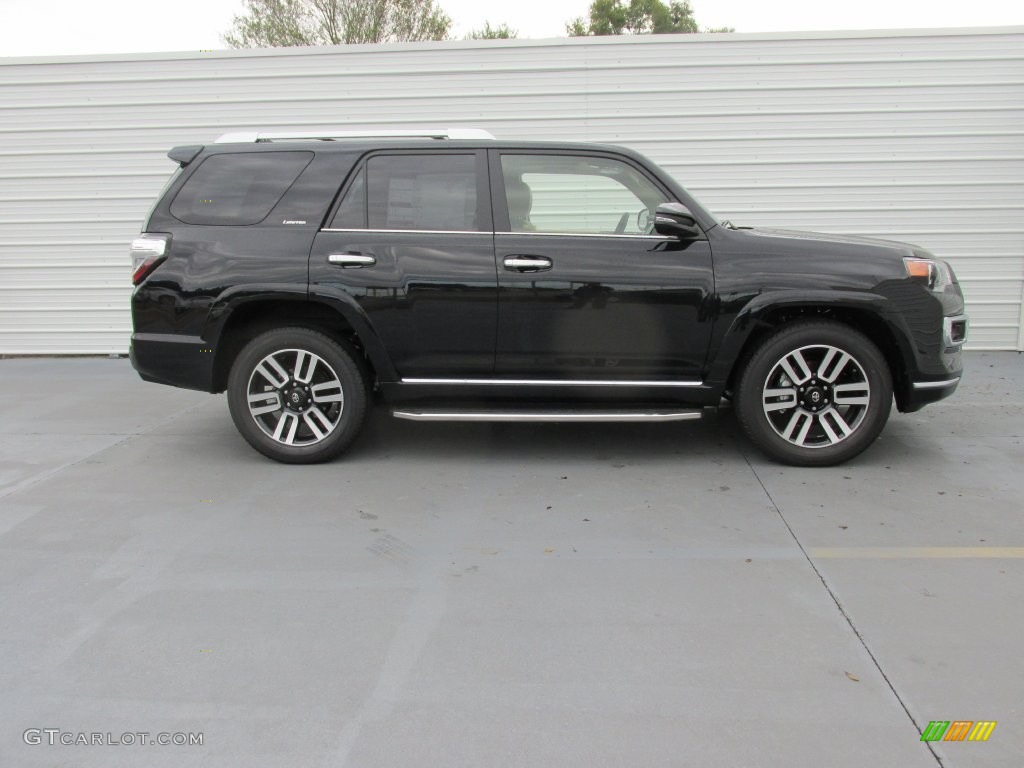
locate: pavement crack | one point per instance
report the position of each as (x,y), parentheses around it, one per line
(839,606)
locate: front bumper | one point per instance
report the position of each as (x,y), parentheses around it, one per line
(926,389)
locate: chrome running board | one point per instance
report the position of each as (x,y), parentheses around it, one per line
(450,414)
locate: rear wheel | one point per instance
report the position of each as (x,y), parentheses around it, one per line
(297,395)
(814,394)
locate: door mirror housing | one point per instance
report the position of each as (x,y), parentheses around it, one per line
(674,220)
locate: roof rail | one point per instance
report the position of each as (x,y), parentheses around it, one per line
(250,137)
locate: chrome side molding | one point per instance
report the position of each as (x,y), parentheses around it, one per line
(553,383)
(546,416)
(936,384)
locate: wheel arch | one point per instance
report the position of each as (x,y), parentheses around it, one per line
(239,321)
(767,313)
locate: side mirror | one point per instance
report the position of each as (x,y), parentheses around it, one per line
(674,220)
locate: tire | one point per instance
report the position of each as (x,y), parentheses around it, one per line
(297,395)
(814,394)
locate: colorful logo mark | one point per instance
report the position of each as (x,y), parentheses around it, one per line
(958,730)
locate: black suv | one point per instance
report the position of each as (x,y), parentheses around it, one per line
(465,278)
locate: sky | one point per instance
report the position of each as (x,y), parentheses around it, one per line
(60,27)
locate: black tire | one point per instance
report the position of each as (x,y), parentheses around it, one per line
(829,422)
(321,404)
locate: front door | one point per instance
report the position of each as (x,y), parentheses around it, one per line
(586,290)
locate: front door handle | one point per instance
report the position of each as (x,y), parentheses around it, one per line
(352,260)
(527,263)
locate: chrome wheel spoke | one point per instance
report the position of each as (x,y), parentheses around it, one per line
(261,403)
(779,399)
(272,371)
(801,439)
(318,424)
(795,357)
(851,394)
(305,366)
(829,371)
(327,392)
(287,426)
(794,422)
(837,419)
(827,428)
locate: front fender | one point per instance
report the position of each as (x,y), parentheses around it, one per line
(746,319)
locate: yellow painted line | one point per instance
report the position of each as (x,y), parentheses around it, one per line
(901,553)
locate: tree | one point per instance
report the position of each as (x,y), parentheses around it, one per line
(498,32)
(637,17)
(280,23)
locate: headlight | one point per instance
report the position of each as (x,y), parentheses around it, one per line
(935,274)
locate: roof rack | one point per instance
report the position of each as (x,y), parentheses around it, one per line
(250,137)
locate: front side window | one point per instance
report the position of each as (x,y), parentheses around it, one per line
(578,195)
(237,188)
(415,192)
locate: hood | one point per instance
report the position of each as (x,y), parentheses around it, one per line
(895,247)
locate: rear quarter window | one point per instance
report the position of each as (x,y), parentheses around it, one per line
(237,188)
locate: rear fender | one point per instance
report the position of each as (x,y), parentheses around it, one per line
(341,304)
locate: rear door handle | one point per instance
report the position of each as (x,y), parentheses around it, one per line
(352,260)
(527,263)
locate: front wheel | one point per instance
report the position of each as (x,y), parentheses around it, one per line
(816,393)
(297,395)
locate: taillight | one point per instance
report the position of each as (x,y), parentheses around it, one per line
(147,251)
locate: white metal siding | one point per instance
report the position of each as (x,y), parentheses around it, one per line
(911,135)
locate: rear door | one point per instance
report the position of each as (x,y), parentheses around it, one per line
(412,243)
(587,290)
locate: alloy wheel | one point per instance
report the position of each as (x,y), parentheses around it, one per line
(816,396)
(295,397)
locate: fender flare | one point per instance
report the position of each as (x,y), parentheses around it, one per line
(725,354)
(236,297)
(346,306)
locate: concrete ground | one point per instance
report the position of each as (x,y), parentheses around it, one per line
(502,595)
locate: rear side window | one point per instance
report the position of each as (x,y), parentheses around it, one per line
(423,192)
(238,188)
(352,211)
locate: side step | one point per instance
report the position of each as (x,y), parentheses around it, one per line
(510,414)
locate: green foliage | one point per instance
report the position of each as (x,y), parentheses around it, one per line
(280,23)
(497,32)
(636,17)
(269,23)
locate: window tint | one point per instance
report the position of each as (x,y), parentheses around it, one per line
(238,188)
(352,211)
(586,195)
(422,192)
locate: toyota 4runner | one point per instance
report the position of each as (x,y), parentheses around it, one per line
(465,278)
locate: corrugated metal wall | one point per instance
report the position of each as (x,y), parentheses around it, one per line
(909,135)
